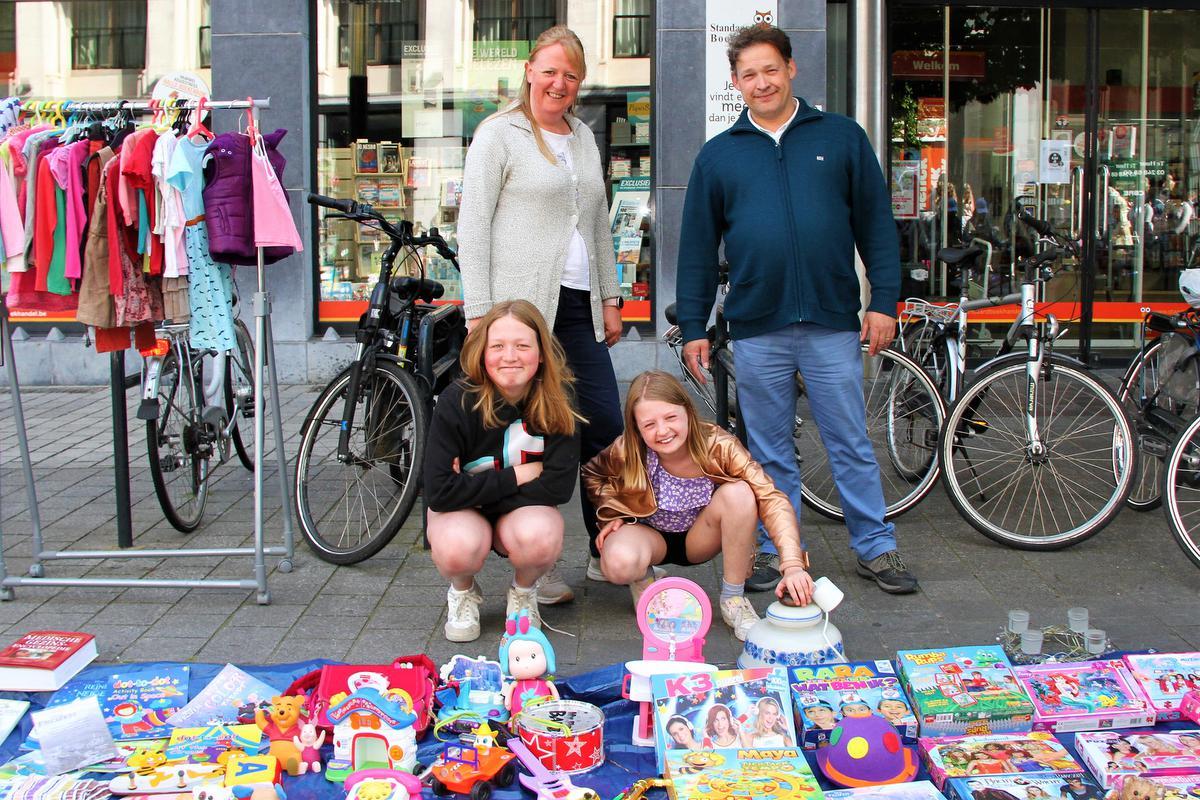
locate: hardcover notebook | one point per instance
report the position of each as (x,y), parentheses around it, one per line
(42,661)
(1086,696)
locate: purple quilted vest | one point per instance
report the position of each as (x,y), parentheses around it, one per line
(228,198)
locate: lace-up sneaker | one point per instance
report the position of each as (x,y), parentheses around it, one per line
(526,599)
(738,615)
(552,589)
(462,613)
(889,573)
(641,584)
(765,576)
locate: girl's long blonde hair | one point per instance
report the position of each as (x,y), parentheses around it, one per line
(657,385)
(559,34)
(548,409)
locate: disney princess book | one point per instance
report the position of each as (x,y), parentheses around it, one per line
(1084,696)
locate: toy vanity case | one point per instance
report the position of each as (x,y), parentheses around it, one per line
(915,790)
(964,690)
(1085,696)
(1111,756)
(996,754)
(1064,785)
(838,686)
(764,774)
(1164,679)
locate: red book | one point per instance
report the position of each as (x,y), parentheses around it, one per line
(42,661)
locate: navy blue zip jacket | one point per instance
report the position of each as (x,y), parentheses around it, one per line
(790,215)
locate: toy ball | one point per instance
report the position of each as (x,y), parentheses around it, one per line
(866,751)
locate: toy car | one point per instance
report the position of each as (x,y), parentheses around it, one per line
(472,770)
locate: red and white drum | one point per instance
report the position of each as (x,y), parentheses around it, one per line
(566,735)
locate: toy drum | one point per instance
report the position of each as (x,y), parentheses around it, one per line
(577,747)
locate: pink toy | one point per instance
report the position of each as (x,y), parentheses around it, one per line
(542,782)
(309,742)
(383,784)
(1190,707)
(674,615)
(528,657)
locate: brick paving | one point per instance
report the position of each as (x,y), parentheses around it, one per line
(1132,576)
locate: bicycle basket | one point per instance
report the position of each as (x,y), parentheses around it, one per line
(915,308)
(1178,367)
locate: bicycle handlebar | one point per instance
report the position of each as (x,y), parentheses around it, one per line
(361,212)
(345,206)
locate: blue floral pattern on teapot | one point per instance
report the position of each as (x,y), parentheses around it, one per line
(825,655)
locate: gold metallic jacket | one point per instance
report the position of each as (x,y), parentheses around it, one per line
(728,461)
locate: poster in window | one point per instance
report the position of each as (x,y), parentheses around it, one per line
(906,189)
(389,157)
(366,157)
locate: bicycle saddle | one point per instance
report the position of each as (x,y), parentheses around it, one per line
(425,289)
(669,313)
(953,256)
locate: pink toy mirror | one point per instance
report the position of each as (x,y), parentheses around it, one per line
(674,615)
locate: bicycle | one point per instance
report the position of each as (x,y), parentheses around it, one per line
(1036,452)
(361,444)
(1160,390)
(1181,490)
(191,420)
(904,414)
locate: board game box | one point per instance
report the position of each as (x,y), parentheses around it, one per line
(747,774)
(994,754)
(1084,696)
(1111,755)
(1064,785)
(1158,787)
(914,790)
(1164,679)
(736,708)
(957,691)
(823,695)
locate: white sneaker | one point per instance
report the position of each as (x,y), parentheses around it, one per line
(526,599)
(552,589)
(462,614)
(739,615)
(641,584)
(594,573)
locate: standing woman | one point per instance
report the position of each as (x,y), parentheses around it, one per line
(534,225)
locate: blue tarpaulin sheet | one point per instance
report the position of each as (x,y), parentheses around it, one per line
(623,764)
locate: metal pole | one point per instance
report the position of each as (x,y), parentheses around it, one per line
(120,449)
(870,74)
(285,492)
(10,365)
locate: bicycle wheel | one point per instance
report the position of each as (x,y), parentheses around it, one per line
(1181,490)
(904,413)
(178,447)
(239,393)
(350,510)
(1044,502)
(1142,394)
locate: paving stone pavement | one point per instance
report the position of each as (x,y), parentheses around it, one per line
(1132,576)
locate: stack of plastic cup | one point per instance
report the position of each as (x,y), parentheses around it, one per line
(1031,642)
(1077,619)
(1095,641)
(1018,621)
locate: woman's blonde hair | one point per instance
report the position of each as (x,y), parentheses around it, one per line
(657,385)
(559,34)
(548,409)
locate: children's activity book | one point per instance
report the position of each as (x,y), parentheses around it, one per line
(231,696)
(1065,785)
(779,773)
(964,690)
(142,699)
(823,695)
(737,708)
(994,754)
(1085,696)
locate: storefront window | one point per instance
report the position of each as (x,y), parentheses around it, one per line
(631,29)
(108,34)
(395,134)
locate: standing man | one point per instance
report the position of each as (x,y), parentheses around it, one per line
(792,191)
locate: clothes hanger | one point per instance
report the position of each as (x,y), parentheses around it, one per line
(198,127)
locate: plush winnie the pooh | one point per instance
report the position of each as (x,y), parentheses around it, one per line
(280,726)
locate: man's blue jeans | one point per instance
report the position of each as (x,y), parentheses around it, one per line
(831,365)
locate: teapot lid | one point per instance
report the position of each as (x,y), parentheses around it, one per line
(786,612)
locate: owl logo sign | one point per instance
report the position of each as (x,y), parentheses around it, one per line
(764,18)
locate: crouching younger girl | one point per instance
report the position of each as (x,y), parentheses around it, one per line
(502,453)
(674,489)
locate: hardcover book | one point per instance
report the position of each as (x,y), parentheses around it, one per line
(823,695)
(42,661)
(1085,696)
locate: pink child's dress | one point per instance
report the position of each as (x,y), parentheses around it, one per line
(528,689)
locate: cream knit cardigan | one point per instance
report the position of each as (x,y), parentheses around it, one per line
(517,215)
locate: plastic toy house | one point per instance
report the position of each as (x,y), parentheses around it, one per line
(372,729)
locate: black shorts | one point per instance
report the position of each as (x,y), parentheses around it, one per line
(676,548)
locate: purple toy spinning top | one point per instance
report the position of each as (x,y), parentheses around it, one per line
(866,751)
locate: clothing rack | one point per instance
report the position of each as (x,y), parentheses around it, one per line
(264,361)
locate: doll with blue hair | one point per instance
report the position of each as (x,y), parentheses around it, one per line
(527,657)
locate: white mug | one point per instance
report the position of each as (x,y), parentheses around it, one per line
(826,594)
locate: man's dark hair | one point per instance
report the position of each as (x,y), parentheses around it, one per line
(758,34)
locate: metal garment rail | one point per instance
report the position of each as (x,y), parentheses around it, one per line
(264,360)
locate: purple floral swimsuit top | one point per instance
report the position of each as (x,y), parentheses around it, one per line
(680,500)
